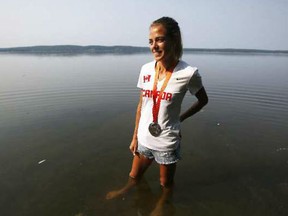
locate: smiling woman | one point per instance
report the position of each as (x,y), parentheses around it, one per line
(157,127)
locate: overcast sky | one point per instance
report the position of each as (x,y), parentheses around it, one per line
(260,24)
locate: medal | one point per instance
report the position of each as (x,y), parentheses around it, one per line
(155,129)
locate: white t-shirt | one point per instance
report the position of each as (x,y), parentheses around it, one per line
(184,77)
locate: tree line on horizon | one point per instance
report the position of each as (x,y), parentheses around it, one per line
(94,49)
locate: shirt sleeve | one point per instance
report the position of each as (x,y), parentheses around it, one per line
(140,80)
(195,83)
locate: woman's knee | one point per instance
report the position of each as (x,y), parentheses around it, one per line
(166,181)
(139,166)
(134,175)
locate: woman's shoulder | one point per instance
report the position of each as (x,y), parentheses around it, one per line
(149,65)
(184,66)
(147,68)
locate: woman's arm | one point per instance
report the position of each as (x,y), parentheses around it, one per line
(202,97)
(134,142)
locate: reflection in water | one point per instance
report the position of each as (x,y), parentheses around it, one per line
(77,114)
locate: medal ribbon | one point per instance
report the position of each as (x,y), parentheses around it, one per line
(156,103)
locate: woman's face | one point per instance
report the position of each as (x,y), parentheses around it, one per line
(160,45)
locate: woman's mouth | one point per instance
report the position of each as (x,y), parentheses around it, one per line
(157,53)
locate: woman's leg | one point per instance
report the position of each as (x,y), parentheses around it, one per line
(167,173)
(139,166)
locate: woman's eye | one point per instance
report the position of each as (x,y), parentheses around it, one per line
(157,40)
(160,39)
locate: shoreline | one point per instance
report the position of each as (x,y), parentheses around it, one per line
(102,50)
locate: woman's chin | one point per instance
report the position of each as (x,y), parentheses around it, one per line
(158,58)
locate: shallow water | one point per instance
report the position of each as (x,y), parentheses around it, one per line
(66,123)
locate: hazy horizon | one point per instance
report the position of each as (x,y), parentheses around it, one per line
(184,48)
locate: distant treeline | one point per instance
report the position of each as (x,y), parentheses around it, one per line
(73,49)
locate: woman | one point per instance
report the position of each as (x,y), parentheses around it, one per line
(163,84)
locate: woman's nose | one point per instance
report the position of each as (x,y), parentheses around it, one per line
(154,45)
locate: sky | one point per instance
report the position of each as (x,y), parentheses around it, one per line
(250,24)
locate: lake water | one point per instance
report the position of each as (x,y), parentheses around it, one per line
(66,123)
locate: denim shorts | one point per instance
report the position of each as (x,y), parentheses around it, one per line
(161,157)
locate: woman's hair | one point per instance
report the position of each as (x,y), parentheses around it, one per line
(173,32)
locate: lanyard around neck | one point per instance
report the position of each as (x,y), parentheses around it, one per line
(156,102)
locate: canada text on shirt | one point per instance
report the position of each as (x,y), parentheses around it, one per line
(165,96)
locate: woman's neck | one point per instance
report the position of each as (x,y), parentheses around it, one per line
(167,65)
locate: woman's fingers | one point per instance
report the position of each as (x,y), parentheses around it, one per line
(133,148)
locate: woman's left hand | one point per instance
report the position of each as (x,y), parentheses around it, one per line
(133,146)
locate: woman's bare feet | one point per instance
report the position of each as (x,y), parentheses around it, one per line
(114,194)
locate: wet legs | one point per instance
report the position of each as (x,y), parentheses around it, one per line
(167,173)
(139,166)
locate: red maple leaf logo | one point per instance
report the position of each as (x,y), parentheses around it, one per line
(147,78)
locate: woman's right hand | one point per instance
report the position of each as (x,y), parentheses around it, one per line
(133,146)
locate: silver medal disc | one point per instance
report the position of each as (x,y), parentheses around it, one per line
(155,129)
